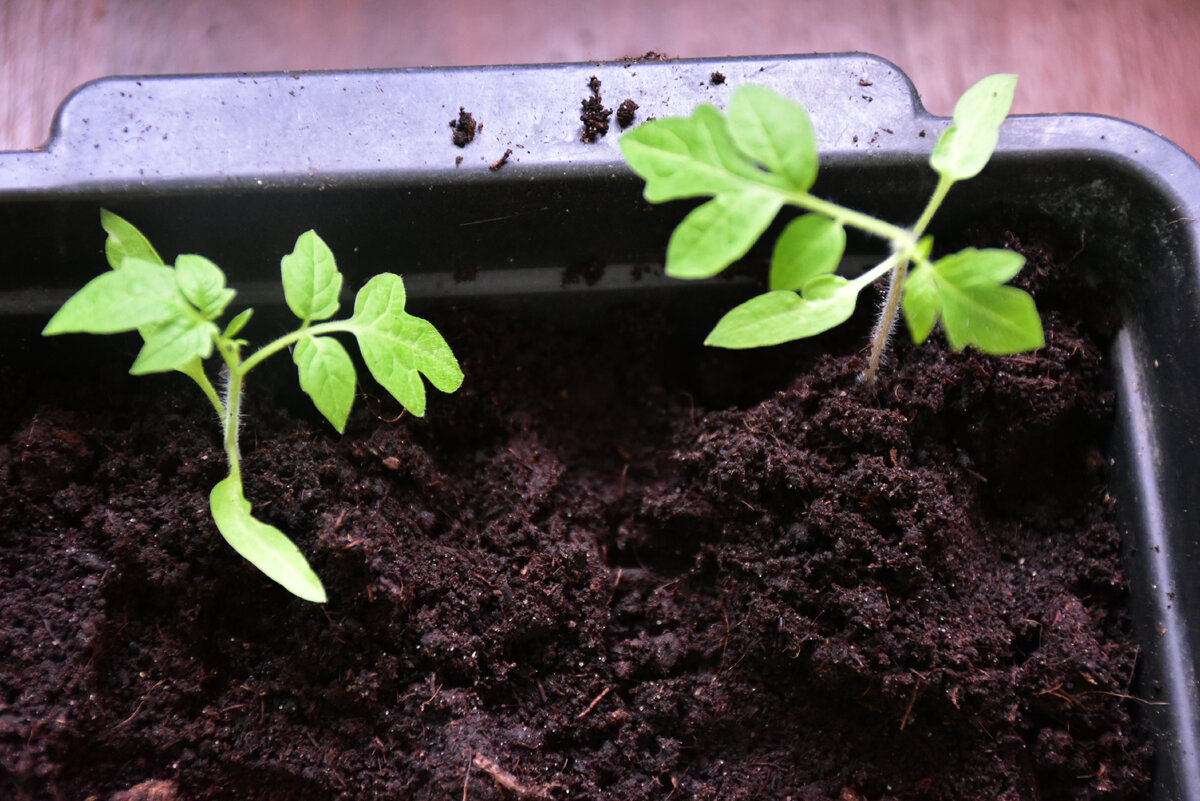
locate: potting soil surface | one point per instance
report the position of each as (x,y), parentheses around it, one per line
(610,567)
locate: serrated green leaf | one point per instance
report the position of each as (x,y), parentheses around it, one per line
(782,316)
(399,347)
(922,303)
(203,284)
(971,268)
(775,132)
(810,246)
(327,375)
(174,343)
(138,294)
(996,319)
(966,146)
(716,234)
(681,157)
(125,241)
(311,281)
(265,546)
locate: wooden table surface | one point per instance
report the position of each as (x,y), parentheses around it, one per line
(1126,58)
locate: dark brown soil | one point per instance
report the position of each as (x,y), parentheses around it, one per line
(606,568)
(626,112)
(462,130)
(595,115)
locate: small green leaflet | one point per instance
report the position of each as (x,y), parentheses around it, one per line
(203,283)
(265,546)
(311,281)
(810,246)
(966,146)
(327,374)
(125,240)
(776,133)
(967,291)
(398,347)
(781,315)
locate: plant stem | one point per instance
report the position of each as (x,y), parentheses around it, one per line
(195,371)
(271,348)
(233,408)
(891,304)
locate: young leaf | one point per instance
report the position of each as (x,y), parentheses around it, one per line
(782,315)
(682,157)
(125,241)
(174,343)
(311,281)
(203,283)
(999,320)
(810,246)
(976,307)
(265,546)
(398,347)
(776,133)
(138,294)
(237,323)
(922,303)
(713,236)
(327,375)
(965,147)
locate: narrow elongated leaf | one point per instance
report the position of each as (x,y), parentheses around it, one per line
(311,281)
(125,241)
(327,375)
(682,157)
(782,315)
(238,323)
(174,343)
(713,236)
(265,546)
(922,303)
(399,347)
(203,284)
(810,246)
(775,132)
(996,319)
(138,294)
(965,147)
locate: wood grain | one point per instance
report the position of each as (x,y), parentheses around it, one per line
(1126,59)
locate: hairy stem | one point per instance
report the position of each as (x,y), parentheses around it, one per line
(891,304)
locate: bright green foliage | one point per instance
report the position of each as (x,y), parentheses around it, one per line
(174,309)
(762,156)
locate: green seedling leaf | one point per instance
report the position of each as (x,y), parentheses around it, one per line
(967,290)
(399,347)
(967,145)
(125,241)
(718,233)
(810,246)
(776,133)
(681,157)
(782,316)
(138,294)
(203,284)
(174,344)
(922,303)
(237,324)
(327,375)
(265,546)
(311,281)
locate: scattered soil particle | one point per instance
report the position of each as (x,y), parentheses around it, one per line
(589,272)
(463,128)
(458,160)
(865,82)
(500,162)
(595,115)
(626,112)
(716,79)
(614,565)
